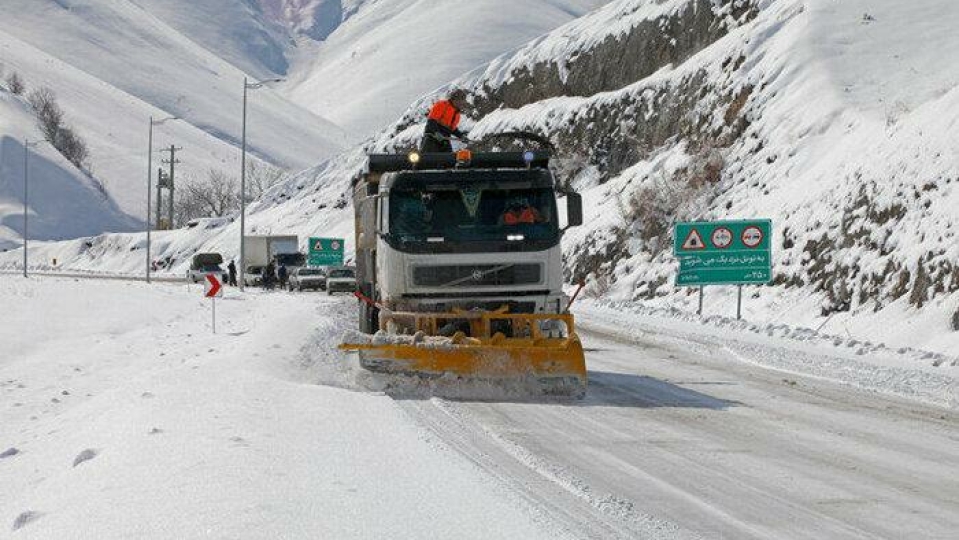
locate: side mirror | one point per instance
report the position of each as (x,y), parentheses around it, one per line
(574,209)
(382,214)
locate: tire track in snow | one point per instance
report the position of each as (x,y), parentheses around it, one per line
(553,490)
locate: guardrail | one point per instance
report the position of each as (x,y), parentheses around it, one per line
(95,275)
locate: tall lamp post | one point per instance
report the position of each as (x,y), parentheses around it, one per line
(27,145)
(247,85)
(149,180)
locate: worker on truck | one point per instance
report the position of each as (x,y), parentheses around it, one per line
(520,212)
(443,123)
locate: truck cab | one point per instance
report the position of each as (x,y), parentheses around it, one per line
(442,232)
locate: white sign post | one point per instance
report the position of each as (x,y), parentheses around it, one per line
(212,288)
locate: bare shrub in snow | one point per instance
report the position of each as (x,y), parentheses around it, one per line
(48,112)
(920,287)
(665,199)
(15,83)
(598,287)
(64,138)
(955,320)
(72,147)
(215,195)
(651,209)
(260,177)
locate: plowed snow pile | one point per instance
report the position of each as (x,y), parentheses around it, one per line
(125,417)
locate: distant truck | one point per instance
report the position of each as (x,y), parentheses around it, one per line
(260,250)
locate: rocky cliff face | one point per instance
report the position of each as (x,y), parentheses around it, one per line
(711,109)
(315,19)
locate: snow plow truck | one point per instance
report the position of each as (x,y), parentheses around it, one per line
(459,270)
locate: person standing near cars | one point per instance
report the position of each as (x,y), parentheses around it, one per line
(269,275)
(282,274)
(231,268)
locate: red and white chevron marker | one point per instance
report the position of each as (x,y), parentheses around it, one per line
(212,287)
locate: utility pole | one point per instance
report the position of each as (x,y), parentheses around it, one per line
(161,183)
(26,173)
(247,85)
(170,180)
(149,180)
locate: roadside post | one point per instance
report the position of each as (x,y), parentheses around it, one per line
(326,252)
(723,253)
(213,289)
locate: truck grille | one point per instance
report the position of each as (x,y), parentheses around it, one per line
(473,275)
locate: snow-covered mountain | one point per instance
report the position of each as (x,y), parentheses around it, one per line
(112,65)
(388,53)
(835,120)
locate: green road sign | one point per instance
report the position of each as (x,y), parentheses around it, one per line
(723,252)
(326,252)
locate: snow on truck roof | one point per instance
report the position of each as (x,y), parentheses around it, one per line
(414,161)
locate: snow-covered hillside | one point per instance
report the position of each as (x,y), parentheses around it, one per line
(835,120)
(388,53)
(113,65)
(64,202)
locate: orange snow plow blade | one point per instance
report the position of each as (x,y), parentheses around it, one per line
(542,348)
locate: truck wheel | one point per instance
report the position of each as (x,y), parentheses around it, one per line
(369,319)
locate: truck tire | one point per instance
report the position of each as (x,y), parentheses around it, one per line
(369,318)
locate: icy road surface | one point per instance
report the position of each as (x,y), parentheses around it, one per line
(124,417)
(689,442)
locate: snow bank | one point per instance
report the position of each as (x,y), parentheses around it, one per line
(129,418)
(905,372)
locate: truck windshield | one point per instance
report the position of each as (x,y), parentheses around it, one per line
(472,214)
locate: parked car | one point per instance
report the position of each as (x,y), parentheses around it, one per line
(253,276)
(196,275)
(341,279)
(307,278)
(206,263)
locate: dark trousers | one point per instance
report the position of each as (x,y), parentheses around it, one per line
(434,143)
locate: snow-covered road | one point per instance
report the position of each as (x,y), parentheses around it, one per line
(675,442)
(124,417)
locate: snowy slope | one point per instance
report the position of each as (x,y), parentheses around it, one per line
(128,418)
(237,31)
(390,52)
(115,64)
(63,200)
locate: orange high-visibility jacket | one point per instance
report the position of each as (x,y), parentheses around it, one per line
(525,215)
(444,113)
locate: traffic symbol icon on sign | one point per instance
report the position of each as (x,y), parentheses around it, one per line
(694,241)
(212,287)
(752,236)
(318,246)
(722,237)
